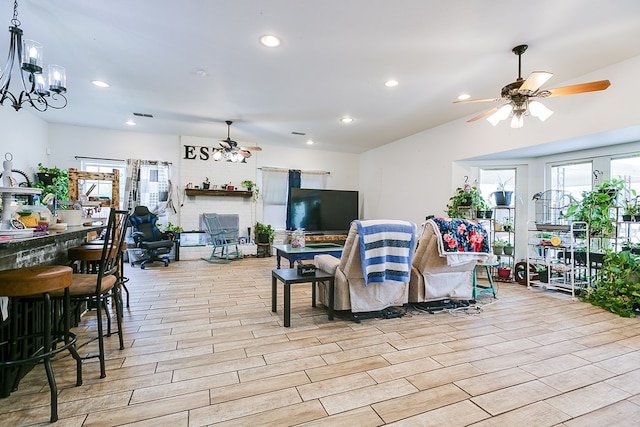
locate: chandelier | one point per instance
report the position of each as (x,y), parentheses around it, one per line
(39,90)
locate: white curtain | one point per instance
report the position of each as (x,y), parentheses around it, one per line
(274,192)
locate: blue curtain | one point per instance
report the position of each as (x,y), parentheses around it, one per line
(294,182)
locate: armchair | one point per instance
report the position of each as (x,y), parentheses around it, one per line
(444,262)
(386,282)
(146,235)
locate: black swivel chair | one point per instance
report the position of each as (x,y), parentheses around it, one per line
(146,235)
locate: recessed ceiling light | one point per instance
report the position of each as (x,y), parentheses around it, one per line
(309,141)
(270,40)
(463,96)
(99,83)
(391,83)
(346,119)
(130,122)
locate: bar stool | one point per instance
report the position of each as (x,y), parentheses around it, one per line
(88,256)
(477,289)
(96,290)
(33,343)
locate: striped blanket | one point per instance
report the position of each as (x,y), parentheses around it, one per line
(386,250)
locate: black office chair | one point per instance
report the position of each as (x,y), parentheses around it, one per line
(146,235)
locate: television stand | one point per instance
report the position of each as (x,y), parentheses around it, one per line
(325,238)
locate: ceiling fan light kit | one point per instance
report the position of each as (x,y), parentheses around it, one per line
(519,96)
(230,151)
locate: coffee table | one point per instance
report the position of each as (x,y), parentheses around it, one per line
(308,252)
(289,276)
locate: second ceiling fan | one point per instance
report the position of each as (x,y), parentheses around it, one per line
(519,96)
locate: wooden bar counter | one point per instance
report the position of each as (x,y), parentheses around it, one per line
(38,250)
(43,250)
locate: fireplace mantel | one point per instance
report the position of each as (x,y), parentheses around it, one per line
(221,193)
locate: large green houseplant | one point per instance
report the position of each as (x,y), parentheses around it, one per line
(617,285)
(597,208)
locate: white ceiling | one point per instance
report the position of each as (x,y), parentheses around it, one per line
(333,61)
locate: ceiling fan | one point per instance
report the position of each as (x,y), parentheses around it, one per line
(519,96)
(230,149)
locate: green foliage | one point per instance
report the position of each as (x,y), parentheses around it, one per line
(595,208)
(617,287)
(265,229)
(248,184)
(60,186)
(465,197)
(172,228)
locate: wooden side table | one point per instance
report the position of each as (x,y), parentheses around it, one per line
(289,276)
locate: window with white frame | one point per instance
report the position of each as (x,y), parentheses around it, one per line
(572,179)
(102,189)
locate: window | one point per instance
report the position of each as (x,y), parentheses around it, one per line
(572,179)
(627,168)
(274,193)
(492,180)
(102,189)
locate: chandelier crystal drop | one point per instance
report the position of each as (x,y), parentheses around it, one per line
(39,90)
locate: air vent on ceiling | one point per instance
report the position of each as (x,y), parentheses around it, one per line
(298,133)
(143,115)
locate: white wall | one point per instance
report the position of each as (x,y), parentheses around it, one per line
(343,175)
(415,176)
(24,135)
(66,142)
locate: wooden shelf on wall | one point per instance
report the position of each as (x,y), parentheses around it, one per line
(222,193)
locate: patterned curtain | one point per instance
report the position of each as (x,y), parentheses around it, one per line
(148,183)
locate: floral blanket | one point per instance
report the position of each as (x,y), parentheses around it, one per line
(460,237)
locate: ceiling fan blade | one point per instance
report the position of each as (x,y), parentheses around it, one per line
(483,115)
(251,148)
(224,144)
(244,153)
(469,101)
(534,81)
(579,88)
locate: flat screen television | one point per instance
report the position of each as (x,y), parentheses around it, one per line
(322,211)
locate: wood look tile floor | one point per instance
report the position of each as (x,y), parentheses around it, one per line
(204,349)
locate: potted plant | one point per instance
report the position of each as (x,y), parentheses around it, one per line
(507,224)
(498,247)
(504,271)
(206,184)
(597,208)
(484,209)
(264,233)
(173,230)
(502,196)
(630,206)
(543,273)
(617,286)
(248,184)
(508,248)
(463,201)
(54,181)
